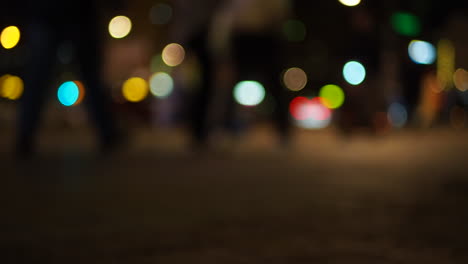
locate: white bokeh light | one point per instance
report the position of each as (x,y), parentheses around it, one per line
(354,72)
(120,27)
(350,2)
(249,93)
(422,52)
(161,84)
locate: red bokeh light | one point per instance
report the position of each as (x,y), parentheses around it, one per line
(302,108)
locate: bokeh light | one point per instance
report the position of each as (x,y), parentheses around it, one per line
(310,113)
(120,27)
(249,93)
(397,115)
(445,63)
(350,2)
(160,14)
(295,79)
(135,89)
(10,37)
(332,95)
(294,30)
(406,24)
(11,87)
(422,52)
(315,124)
(161,84)
(298,108)
(173,54)
(354,72)
(2,79)
(68,93)
(460,78)
(81,92)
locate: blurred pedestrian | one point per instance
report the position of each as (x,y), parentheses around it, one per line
(47,25)
(250,31)
(193,29)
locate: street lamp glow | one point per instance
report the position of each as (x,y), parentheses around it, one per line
(350,2)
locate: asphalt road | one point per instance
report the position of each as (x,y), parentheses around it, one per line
(401,198)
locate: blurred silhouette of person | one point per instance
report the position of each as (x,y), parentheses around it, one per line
(250,31)
(47,25)
(193,29)
(200,125)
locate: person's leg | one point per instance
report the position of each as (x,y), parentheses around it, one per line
(96,100)
(199,115)
(269,65)
(281,110)
(42,42)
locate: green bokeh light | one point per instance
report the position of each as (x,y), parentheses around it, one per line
(294,30)
(406,24)
(333,96)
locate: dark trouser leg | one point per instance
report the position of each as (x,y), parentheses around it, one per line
(96,100)
(281,111)
(259,58)
(43,43)
(201,103)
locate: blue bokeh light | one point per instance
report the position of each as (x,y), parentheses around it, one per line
(68,93)
(397,115)
(354,72)
(422,52)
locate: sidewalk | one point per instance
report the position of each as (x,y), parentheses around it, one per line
(400,199)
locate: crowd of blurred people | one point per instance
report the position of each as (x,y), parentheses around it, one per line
(233,40)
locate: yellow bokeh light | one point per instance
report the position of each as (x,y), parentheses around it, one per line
(350,2)
(295,79)
(2,79)
(10,37)
(11,87)
(120,27)
(445,63)
(135,89)
(173,54)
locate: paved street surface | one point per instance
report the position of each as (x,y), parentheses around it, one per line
(401,198)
